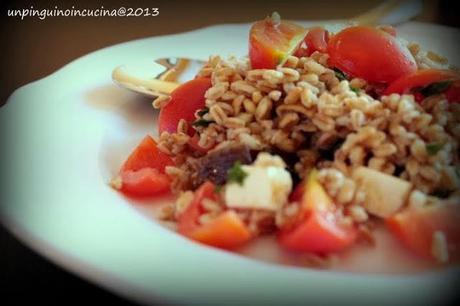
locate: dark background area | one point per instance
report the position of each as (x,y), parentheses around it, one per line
(34,48)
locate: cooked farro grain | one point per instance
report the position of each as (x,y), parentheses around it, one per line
(304,110)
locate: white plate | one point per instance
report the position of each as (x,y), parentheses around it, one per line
(64,136)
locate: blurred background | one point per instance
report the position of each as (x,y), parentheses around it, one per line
(32,49)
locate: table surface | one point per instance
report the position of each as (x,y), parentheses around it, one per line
(34,48)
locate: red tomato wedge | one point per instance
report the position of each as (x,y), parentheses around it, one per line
(142,174)
(225,231)
(420,79)
(318,233)
(316,40)
(272,40)
(144,182)
(147,155)
(185,101)
(315,228)
(371,54)
(415,228)
(188,220)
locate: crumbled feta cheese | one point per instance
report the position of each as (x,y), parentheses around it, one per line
(265,187)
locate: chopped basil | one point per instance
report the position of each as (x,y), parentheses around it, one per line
(355,90)
(433,148)
(217,188)
(435,88)
(340,74)
(236,174)
(203,111)
(201,122)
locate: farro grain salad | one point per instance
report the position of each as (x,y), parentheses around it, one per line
(315,138)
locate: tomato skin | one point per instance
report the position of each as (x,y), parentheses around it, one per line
(453,93)
(415,227)
(298,192)
(188,220)
(147,155)
(185,101)
(371,54)
(318,233)
(271,41)
(262,57)
(142,174)
(144,182)
(419,78)
(226,231)
(316,39)
(315,228)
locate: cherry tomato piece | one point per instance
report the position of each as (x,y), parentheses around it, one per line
(185,101)
(272,40)
(225,231)
(144,182)
(415,228)
(316,40)
(320,232)
(147,155)
(315,228)
(371,54)
(419,79)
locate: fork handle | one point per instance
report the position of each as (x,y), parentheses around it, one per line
(390,12)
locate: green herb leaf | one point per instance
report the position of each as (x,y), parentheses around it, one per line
(201,122)
(433,148)
(217,188)
(236,174)
(355,90)
(435,88)
(203,111)
(340,74)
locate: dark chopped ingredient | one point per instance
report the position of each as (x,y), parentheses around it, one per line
(327,141)
(433,148)
(327,146)
(202,122)
(236,174)
(340,74)
(435,88)
(443,194)
(203,111)
(214,166)
(399,169)
(290,159)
